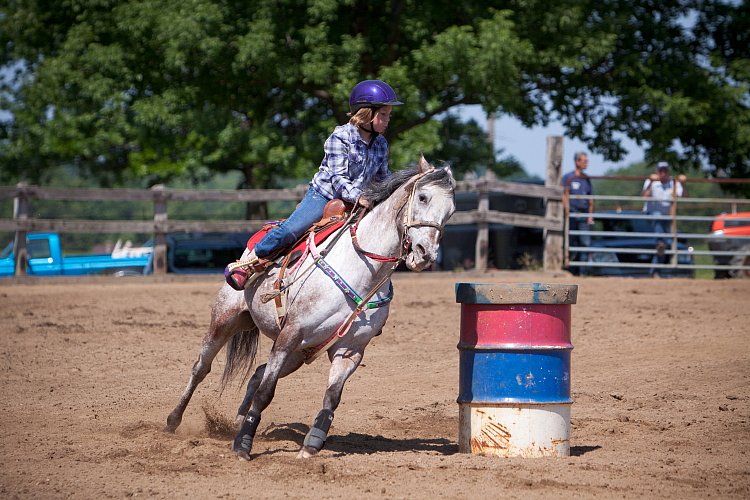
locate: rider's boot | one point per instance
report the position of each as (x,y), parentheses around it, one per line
(238,273)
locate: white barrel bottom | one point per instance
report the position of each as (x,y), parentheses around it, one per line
(514,430)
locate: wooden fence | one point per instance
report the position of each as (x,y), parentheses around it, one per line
(24,222)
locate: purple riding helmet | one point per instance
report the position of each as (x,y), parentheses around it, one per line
(372,94)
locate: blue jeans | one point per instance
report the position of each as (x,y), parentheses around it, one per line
(661,226)
(307,213)
(580,240)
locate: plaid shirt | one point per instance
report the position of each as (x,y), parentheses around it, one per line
(349,164)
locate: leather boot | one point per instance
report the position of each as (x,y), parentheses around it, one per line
(238,273)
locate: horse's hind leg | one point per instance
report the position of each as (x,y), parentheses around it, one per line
(252,386)
(228,317)
(282,361)
(342,367)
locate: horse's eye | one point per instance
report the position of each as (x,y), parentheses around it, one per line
(423,198)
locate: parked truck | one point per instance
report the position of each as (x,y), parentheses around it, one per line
(45,258)
(731,239)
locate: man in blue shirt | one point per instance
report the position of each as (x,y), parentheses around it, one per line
(577,182)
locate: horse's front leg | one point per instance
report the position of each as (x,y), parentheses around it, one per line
(342,366)
(282,360)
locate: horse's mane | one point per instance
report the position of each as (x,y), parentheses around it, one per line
(378,191)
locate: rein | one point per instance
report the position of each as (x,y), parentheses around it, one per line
(359,249)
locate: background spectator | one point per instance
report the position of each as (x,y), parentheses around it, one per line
(662,189)
(577,182)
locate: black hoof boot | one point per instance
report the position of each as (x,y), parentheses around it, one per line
(243,442)
(316,437)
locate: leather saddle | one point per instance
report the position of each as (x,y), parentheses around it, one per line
(334,215)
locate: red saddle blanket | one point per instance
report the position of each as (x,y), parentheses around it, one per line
(320,235)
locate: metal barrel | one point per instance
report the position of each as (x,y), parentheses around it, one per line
(514,369)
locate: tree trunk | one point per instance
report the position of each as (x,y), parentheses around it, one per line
(257,210)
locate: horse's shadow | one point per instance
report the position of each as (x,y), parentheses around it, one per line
(577,451)
(365,444)
(356,443)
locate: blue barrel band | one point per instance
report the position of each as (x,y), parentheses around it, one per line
(514,375)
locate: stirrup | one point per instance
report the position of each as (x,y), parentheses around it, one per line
(236,278)
(239,273)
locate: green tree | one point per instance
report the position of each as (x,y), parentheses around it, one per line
(149,90)
(465,146)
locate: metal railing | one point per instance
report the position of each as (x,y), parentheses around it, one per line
(679,248)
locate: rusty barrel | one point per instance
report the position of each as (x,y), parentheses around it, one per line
(514,369)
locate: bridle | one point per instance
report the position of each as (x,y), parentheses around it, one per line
(407,222)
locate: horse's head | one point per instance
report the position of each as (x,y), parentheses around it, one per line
(429,206)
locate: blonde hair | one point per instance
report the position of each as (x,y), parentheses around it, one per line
(363,116)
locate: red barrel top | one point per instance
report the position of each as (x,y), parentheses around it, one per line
(515,315)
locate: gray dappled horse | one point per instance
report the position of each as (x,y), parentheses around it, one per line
(411,208)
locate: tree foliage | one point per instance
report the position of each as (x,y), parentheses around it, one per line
(153,89)
(466,148)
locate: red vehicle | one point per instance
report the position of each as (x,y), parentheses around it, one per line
(731,233)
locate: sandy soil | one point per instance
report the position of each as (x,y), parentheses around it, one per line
(91,368)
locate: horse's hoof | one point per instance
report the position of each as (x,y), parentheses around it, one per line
(242,452)
(172,424)
(307,452)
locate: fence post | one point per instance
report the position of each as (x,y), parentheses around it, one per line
(483,227)
(553,238)
(20,212)
(160,237)
(673,222)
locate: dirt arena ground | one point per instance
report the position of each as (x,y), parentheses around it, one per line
(91,368)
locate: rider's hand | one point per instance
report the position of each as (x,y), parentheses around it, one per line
(362,201)
(682,177)
(653,177)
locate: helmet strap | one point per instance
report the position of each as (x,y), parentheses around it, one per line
(373,134)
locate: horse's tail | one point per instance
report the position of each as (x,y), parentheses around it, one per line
(241,350)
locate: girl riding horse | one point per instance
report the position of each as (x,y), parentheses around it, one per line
(355,154)
(336,306)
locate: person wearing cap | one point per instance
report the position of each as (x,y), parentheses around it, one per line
(661,188)
(355,154)
(577,182)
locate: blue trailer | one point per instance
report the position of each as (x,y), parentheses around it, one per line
(45,258)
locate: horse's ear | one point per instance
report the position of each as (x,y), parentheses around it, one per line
(423,165)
